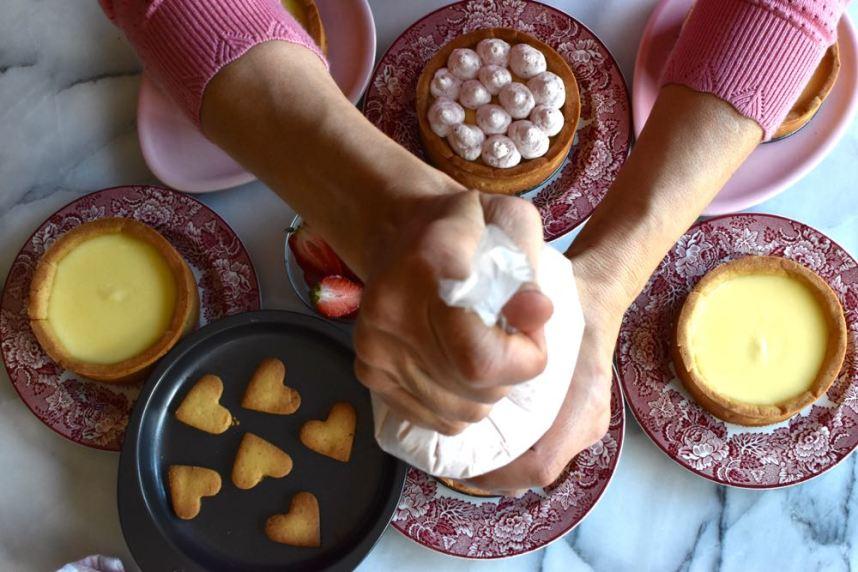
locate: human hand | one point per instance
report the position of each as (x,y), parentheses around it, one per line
(437,366)
(584,416)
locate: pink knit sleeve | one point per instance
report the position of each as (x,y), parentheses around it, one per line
(184,43)
(755,54)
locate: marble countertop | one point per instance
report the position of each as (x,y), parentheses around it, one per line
(68,94)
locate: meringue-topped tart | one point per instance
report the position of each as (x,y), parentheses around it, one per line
(497,110)
(110,297)
(759,339)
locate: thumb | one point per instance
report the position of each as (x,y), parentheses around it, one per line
(528,310)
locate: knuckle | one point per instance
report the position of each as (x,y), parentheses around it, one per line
(492,395)
(362,344)
(546,473)
(372,312)
(366,375)
(521,209)
(475,413)
(474,366)
(538,364)
(450,428)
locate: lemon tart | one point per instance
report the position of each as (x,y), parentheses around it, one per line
(511,109)
(759,339)
(307,14)
(110,297)
(813,94)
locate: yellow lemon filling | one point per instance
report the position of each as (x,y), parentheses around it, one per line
(759,339)
(112,297)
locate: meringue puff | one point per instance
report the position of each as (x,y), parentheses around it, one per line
(500,151)
(549,119)
(526,61)
(464,63)
(494,51)
(443,115)
(493,119)
(494,77)
(548,89)
(474,94)
(516,99)
(467,141)
(530,140)
(445,84)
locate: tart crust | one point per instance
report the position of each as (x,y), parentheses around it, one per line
(314,24)
(465,489)
(185,312)
(814,93)
(476,174)
(740,412)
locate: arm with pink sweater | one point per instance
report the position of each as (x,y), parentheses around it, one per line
(733,76)
(403,225)
(757,55)
(399,223)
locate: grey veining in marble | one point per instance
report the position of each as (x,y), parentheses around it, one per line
(68,95)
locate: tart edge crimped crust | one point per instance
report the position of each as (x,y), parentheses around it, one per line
(185,312)
(476,174)
(315,28)
(745,413)
(797,117)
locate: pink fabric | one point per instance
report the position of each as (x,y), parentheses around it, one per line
(184,43)
(755,54)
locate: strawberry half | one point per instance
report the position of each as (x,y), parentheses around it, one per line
(336,296)
(315,256)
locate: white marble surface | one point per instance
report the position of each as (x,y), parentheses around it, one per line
(68,85)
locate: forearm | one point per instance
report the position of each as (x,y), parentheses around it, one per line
(278,112)
(689,148)
(736,69)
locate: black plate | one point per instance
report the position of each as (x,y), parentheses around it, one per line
(356,499)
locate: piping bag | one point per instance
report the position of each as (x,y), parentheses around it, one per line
(498,269)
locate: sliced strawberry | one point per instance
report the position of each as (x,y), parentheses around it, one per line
(336,296)
(315,257)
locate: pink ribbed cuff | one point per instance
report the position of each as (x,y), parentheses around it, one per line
(184,43)
(752,54)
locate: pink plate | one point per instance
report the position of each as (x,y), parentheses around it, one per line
(485,528)
(603,138)
(758,458)
(774,166)
(179,155)
(91,413)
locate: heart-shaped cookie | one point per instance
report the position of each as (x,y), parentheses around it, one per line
(257,459)
(298,527)
(266,391)
(333,437)
(200,408)
(188,485)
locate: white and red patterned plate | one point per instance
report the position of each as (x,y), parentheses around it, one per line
(784,454)
(460,525)
(84,411)
(604,130)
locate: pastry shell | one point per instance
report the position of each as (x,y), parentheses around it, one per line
(740,412)
(185,312)
(814,93)
(476,174)
(315,28)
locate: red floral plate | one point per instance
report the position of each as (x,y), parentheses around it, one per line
(96,414)
(604,130)
(499,527)
(758,458)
